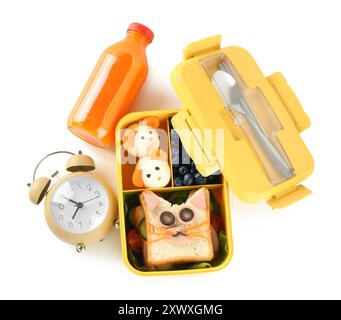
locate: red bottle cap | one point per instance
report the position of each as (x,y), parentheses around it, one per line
(142,29)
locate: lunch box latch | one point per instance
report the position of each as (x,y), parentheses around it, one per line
(288,197)
(290,101)
(202,46)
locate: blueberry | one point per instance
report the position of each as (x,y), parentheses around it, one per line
(217,178)
(175,146)
(198,178)
(175,159)
(185,157)
(178,181)
(183,170)
(175,151)
(188,179)
(175,140)
(211,179)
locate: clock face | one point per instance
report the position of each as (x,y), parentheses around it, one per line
(79,204)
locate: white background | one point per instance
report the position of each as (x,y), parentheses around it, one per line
(47,51)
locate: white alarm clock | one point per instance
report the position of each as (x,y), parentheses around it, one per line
(79,207)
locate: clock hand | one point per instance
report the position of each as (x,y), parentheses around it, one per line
(73,201)
(90,199)
(79,205)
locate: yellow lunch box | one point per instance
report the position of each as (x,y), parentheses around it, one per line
(233,120)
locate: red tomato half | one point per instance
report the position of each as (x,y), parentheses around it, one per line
(217,223)
(135,242)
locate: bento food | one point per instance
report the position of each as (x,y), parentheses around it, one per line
(152,171)
(177,233)
(141,138)
(141,141)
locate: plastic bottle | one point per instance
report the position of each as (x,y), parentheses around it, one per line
(111,88)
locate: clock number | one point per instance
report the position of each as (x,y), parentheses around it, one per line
(80,225)
(98,213)
(59,205)
(100,204)
(61,217)
(97,193)
(70,224)
(89,186)
(79,185)
(91,222)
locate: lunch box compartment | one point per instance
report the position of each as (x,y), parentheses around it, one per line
(128,198)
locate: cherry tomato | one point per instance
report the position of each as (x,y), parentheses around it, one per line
(217,223)
(135,242)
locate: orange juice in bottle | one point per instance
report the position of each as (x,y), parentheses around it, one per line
(111,88)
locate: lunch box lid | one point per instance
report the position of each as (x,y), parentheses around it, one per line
(226,148)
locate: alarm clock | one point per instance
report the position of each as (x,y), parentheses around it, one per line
(79,207)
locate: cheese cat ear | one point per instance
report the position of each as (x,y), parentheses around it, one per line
(199,199)
(153,122)
(128,138)
(137,178)
(134,127)
(158,155)
(151,200)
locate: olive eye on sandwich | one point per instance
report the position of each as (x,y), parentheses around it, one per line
(186,214)
(167,218)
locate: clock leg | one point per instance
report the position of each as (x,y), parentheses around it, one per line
(80,247)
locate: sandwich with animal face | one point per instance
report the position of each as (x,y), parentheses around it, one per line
(177,233)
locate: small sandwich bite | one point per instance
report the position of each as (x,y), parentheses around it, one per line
(141,139)
(152,171)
